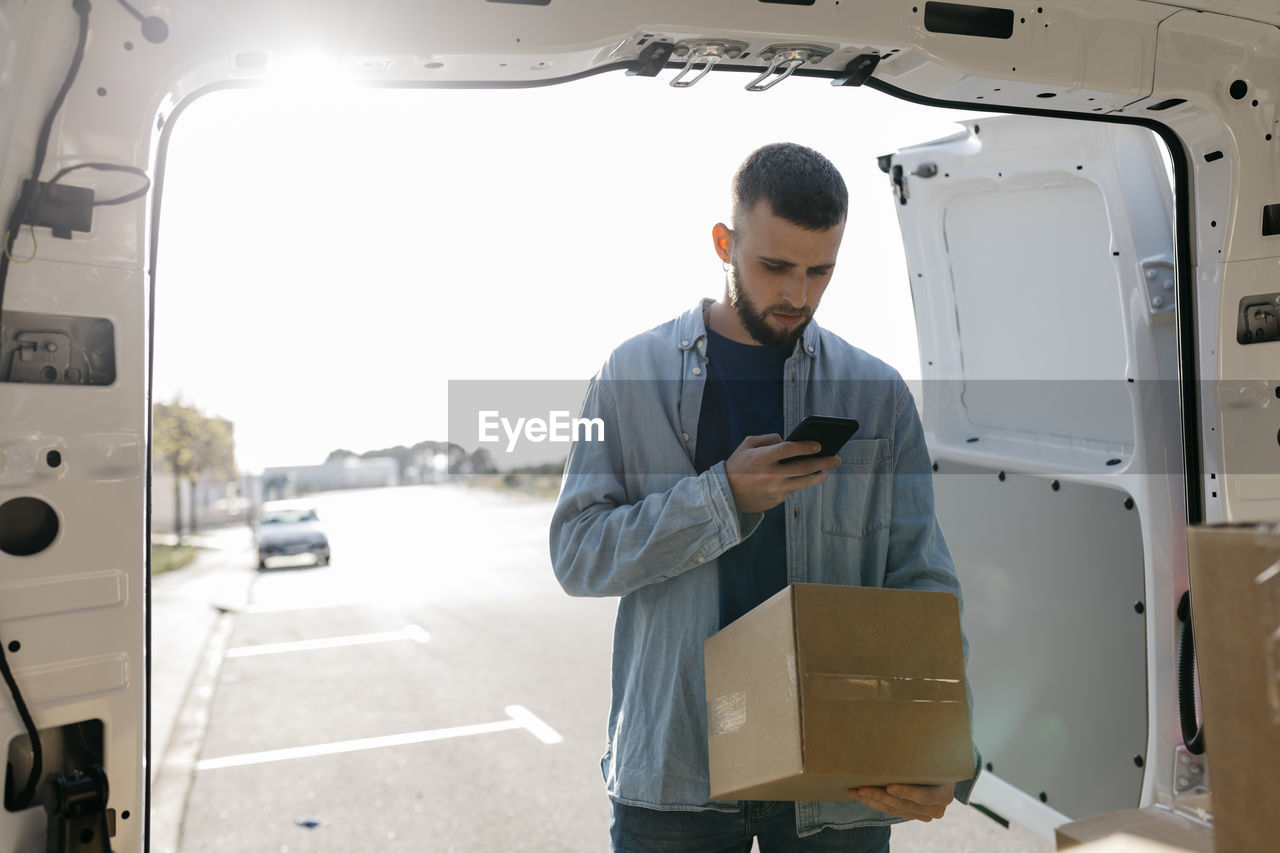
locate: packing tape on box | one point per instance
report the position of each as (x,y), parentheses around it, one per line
(726,714)
(883,688)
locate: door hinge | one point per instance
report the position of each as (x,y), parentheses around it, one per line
(899,182)
(1158,273)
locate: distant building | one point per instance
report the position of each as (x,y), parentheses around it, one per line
(348,473)
(216,501)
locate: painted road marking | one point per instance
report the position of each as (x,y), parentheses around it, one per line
(410,632)
(520,717)
(539,729)
(292,607)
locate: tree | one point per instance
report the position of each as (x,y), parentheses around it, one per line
(189,444)
(481,462)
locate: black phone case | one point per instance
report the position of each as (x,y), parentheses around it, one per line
(833,433)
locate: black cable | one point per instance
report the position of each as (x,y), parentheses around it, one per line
(1192,734)
(29,189)
(24,799)
(109,167)
(132,11)
(154,29)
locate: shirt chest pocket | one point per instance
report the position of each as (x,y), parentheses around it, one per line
(857,498)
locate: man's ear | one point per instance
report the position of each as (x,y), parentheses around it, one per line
(722,237)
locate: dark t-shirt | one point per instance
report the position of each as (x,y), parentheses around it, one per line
(742,397)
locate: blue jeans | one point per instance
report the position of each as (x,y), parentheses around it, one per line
(640,830)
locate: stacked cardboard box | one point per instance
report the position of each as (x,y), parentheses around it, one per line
(1235,610)
(1154,824)
(1124,843)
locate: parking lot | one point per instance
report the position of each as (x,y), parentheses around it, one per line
(431,689)
(422,692)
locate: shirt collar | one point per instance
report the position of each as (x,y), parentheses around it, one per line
(690,327)
(692,330)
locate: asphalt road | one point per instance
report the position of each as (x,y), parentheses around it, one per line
(431,690)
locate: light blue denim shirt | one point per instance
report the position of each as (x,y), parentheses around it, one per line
(635,520)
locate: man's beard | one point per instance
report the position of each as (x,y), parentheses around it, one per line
(755,321)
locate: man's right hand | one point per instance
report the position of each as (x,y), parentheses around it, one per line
(760,480)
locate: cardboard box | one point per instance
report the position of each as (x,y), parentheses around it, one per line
(1154,823)
(1235,613)
(825,688)
(1128,844)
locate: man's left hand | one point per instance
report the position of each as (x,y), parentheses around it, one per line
(914,802)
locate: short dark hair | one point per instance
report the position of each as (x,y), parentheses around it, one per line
(801,186)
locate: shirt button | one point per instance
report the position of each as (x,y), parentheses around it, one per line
(685,436)
(702,559)
(684,343)
(810,349)
(697,371)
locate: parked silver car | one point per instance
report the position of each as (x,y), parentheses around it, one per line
(288,529)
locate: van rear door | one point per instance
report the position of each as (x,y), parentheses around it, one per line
(1041,258)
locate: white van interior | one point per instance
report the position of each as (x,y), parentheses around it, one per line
(1091,261)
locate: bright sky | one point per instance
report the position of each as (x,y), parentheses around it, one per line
(331,258)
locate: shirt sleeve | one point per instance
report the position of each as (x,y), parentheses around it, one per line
(604,544)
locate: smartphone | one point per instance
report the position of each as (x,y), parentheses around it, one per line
(831,432)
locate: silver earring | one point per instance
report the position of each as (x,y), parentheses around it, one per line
(726,266)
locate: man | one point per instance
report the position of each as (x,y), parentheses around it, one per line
(687,512)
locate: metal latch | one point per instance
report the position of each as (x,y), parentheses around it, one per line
(41,357)
(858,71)
(783,60)
(1259,319)
(54,349)
(1260,323)
(652,59)
(704,52)
(77,810)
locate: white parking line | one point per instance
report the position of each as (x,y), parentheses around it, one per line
(293,607)
(520,718)
(410,632)
(530,721)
